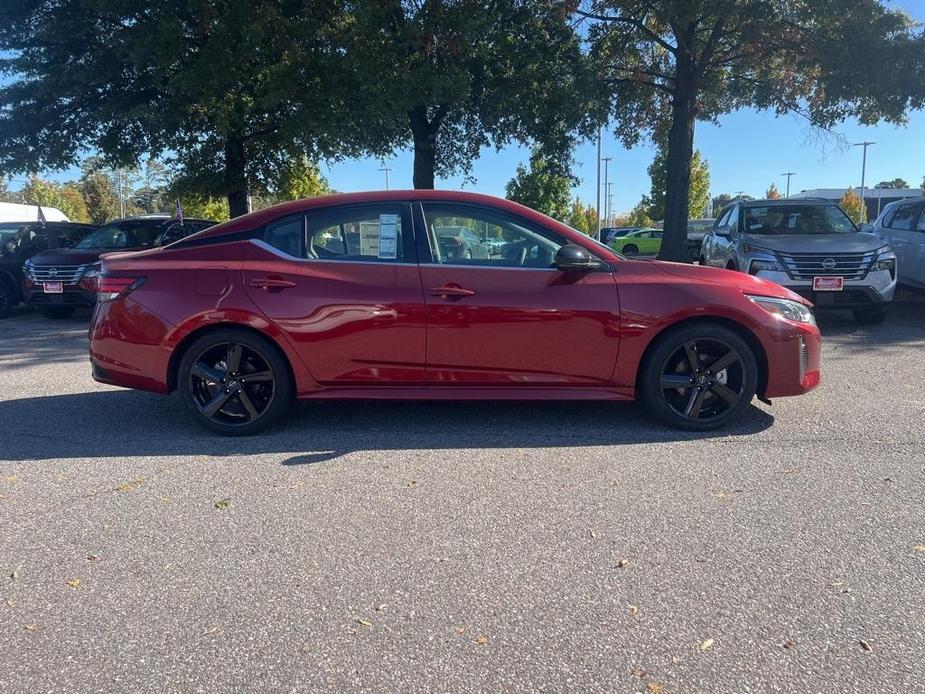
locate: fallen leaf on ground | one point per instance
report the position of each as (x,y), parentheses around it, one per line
(481,640)
(460,630)
(655,688)
(866,646)
(130,485)
(638,671)
(73,582)
(9,602)
(919,548)
(591,531)
(788,644)
(622,563)
(364,622)
(222,504)
(706,645)
(92,557)
(381,606)
(32,627)
(210,631)
(633,610)
(10,478)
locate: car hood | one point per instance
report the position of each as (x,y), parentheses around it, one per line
(67,256)
(816,243)
(747,284)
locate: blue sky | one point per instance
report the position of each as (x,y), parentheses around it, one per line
(746,151)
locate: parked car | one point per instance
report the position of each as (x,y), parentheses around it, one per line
(19,241)
(696,230)
(243,317)
(461,242)
(639,242)
(608,234)
(61,280)
(809,246)
(902,225)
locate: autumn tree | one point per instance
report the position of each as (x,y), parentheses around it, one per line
(583,217)
(450,78)
(671,63)
(772,193)
(852,204)
(639,215)
(541,186)
(66,197)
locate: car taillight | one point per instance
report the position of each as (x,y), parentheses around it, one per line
(112,288)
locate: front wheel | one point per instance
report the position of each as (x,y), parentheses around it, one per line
(57,312)
(870,316)
(235,383)
(8,299)
(630,250)
(699,377)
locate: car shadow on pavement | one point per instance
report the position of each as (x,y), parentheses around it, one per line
(121,423)
(905,325)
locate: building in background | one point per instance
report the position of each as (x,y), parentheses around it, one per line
(875,198)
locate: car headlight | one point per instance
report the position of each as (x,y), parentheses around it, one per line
(91,272)
(751,248)
(784,308)
(766,265)
(888,264)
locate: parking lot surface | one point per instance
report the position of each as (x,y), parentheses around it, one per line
(471,546)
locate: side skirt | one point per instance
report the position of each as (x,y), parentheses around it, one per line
(466,393)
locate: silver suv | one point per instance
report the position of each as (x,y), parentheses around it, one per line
(809,246)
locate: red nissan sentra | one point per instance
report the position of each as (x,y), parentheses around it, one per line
(438,295)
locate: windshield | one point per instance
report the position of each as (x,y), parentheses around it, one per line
(132,234)
(797,219)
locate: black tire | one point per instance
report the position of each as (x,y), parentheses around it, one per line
(8,298)
(731,266)
(701,261)
(870,316)
(630,249)
(246,407)
(668,386)
(57,312)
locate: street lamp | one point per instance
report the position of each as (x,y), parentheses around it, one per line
(789,175)
(600,132)
(386,169)
(865,145)
(606,161)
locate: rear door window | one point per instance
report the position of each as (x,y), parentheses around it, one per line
(904,218)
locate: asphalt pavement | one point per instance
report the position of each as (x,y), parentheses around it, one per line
(463,546)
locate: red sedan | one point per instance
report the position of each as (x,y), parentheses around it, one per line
(354,296)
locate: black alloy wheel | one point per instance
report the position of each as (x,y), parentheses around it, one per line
(7,299)
(630,249)
(700,377)
(234,382)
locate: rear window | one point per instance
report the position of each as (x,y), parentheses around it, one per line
(779,220)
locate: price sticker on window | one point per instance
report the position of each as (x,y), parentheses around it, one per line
(388,236)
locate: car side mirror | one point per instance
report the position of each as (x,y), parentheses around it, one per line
(722,231)
(866,228)
(574,257)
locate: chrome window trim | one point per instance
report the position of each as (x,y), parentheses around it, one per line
(285,256)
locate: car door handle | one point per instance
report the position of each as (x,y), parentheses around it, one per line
(271,284)
(450,292)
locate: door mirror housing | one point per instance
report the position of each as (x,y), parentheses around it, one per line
(574,257)
(722,231)
(866,228)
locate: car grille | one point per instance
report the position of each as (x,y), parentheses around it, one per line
(805,266)
(67,274)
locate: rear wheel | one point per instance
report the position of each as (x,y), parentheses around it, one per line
(630,249)
(870,316)
(699,377)
(8,299)
(235,383)
(57,312)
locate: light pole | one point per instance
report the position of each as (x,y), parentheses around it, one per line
(865,145)
(606,161)
(609,202)
(789,175)
(386,169)
(600,132)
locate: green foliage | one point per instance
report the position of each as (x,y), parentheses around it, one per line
(49,194)
(673,62)
(639,215)
(699,198)
(582,217)
(772,193)
(99,195)
(450,78)
(852,204)
(541,187)
(895,183)
(205,208)
(299,179)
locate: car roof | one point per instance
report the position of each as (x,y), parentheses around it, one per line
(157,218)
(796,202)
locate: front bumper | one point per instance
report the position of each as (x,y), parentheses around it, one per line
(876,289)
(72,296)
(794,360)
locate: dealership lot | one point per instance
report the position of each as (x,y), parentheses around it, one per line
(476,546)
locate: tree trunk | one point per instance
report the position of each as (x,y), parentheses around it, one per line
(425,147)
(678,175)
(236,177)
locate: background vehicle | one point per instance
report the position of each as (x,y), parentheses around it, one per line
(14,212)
(696,230)
(639,242)
(609,233)
(61,280)
(902,225)
(809,246)
(23,240)
(242,317)
(461,242)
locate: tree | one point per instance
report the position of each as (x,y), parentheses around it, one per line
(541,187)
(66,198)
(639,215)
(300,178)
(699,198)
(772,193)
(895,183)
(582,217)
(205,208)
(151,196)
(218,85)
(99,195)
(671,63)
(450,78)
(852,204)
(719,203)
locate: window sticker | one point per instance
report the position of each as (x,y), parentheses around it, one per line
(388,236)
(369,237)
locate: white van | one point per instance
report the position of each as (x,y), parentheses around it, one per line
(14,212)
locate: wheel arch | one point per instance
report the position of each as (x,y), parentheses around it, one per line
(761,356)
(7,279)
(176,356)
